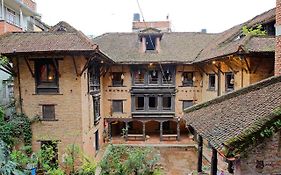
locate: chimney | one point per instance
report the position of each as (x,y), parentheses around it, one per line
(203,30)
(277,68)
(136,17)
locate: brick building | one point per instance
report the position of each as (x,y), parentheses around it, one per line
(157,74)
(51,82)
(140,81)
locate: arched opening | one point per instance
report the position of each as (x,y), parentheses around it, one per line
(152,127)
(117,128)
(135,127)
(169,127)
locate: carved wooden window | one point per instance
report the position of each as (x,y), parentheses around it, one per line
(152,102)
(48,112)
(96,103)
(153,77)
(139,77)
(167,76)
(46,76)
(139,102)
(167,102)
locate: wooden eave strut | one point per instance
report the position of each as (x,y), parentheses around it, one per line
(29,67)
(79,73)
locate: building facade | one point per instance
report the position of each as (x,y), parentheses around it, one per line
(156,74)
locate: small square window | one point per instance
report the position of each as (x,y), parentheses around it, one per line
(187,79)
(117,79)
(152,103)
(117,106)
(48,112)
(167,103)
(186,104)
(139,103)
(229,81)
(212,81)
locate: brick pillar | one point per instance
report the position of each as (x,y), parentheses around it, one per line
(278,39)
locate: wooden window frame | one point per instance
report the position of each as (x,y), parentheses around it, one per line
(187,82)
(44,113)
(117,83)
(211,88)
(187,101)
(228,77)
(121,110)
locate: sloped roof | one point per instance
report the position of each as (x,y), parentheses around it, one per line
(234,116)
(54,40)
(174,47)
(228,42)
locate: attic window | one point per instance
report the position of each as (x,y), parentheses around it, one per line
(150,42)
(61,29)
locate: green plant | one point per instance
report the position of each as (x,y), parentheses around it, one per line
(46,158)
(88,167)
(128,160)
(57,171)
(254,31)
(7,166)
(72,154)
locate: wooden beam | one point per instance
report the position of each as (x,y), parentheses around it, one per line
(230,67)
(219,69)
(75,66)
(257,66)
(214,162)
(200,154)
(247,64)
(29,67)
(201,69)
(56,66)
(240,64)
(86,65)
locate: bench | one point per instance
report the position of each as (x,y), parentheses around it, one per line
(135,136)
(170,136)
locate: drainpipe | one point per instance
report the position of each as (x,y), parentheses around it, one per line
(19,84)
(219,81)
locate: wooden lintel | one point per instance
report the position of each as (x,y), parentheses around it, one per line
(56,66)
(29,67)
(219,70)
(247,64)
(75,66)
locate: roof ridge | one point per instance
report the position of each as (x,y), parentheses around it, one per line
(242,91)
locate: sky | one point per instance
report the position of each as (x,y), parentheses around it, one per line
(95,17)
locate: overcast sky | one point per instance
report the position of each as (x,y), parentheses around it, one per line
(95,17)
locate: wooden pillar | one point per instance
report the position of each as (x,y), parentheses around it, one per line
(143,130)
(214,162)
(200,154)
(127,128)
(178,129)
(230,167)
(109,130)
(161,131)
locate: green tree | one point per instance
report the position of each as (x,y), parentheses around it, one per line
(254,31)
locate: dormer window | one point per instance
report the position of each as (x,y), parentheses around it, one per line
(150,42)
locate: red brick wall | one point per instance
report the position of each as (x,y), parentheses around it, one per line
(30,3)
(278,40)
(6,27)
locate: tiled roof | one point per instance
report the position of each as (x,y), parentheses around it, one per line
(236,115)
(228,42)
(68,40)
(174,47)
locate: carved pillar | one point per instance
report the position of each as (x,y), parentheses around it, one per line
(126,130)
(200,154)
(143,130)
(161,131)
(214,162)
(178,130)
